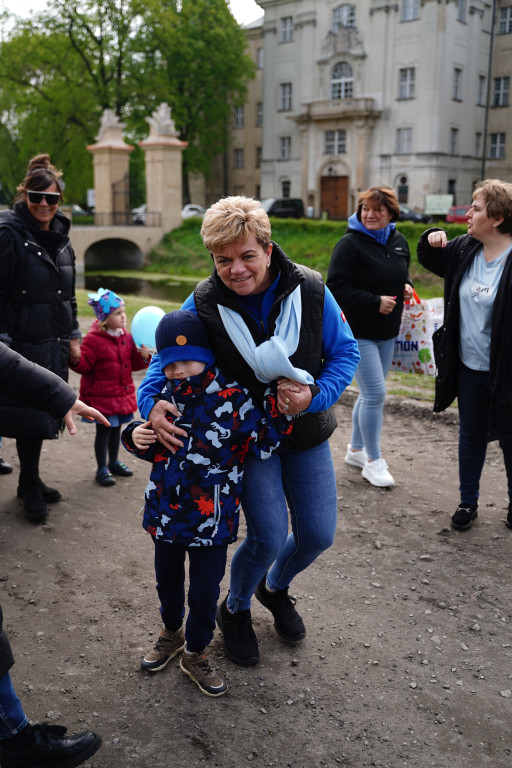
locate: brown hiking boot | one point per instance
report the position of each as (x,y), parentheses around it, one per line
(168,645)
(197,667)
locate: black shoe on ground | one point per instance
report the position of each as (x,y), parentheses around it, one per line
(289,625)
(463,517)
(121,470)
(240,642)
(53,749)
(5,467)
(34,505)
(508,521)
(50,495)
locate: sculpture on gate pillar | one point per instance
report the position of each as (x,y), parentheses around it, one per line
(163,151)
(111,171)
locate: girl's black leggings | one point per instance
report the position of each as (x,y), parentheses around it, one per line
(106,444)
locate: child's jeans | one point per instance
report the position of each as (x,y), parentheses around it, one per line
(207,566)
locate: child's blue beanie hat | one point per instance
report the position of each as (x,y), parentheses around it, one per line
(181,335)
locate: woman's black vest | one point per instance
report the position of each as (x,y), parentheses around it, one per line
(312,428)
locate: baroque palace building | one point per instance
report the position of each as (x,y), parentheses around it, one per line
(414,94)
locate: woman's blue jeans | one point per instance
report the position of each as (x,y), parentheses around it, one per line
(474,399)
(12,717)
(306,481)
(374,365)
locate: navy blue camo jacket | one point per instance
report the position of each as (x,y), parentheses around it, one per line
(193,496)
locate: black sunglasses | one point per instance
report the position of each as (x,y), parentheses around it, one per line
(52,198)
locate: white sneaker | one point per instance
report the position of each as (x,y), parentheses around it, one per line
(376,472)
(356,458)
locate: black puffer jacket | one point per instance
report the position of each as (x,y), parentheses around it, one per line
(38,314)
(360,272)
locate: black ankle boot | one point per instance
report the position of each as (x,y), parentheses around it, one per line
(51,748)
(34,504)
(50,495)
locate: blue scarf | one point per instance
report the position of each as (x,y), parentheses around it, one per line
(380,235)
(270,360)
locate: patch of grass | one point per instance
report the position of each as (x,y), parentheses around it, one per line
(412,385)
(305,241)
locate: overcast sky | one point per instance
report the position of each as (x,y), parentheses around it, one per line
(244,11)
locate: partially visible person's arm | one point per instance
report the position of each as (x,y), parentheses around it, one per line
(32,385)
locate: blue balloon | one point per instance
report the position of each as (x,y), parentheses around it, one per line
(144,325)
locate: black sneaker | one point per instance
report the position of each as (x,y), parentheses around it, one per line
(240,642)
(287,621)
(463,517)
(53,749)
(5,467)
(118,468)
(508,521)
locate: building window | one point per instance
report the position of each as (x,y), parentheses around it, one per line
(403,190)
(403,141)
(286,29)
(410,10)
(406,83)
(259,58)
(505,26)
(497,146)
(335,142)
(239,158)
(285,147)
(343,17)
(285,188)
(454,141)
(342,81)
(452,189)
(258,157)
(259,114)
(481,98)
(462,10)
(501,90)
(457,84)
(238,117)
(478,145)
(285,97)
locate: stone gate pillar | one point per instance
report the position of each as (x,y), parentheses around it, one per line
(163,154)
(111,169)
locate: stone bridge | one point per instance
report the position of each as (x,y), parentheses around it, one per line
(110,247)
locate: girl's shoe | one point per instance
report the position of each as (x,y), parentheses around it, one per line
(104,477)
(118,468)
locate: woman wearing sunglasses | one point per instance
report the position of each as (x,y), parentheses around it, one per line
(38,314)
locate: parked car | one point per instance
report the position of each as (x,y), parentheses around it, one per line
(191,209)
(284,207)
(409,214)
(457,214)
(77,210)
(139,214)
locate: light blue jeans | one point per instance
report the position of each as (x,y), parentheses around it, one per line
(304,479)
(376,357)
(12,717)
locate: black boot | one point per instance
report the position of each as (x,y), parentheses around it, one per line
(50,495)
(240,642)
(462,518)
(34,505)
(51,748)
(287,621)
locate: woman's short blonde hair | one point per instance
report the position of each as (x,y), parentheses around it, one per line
(385,196)
(498,199)
(234,219)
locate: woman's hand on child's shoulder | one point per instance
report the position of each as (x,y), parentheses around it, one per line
(143,436)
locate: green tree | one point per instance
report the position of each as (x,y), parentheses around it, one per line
(199,53)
